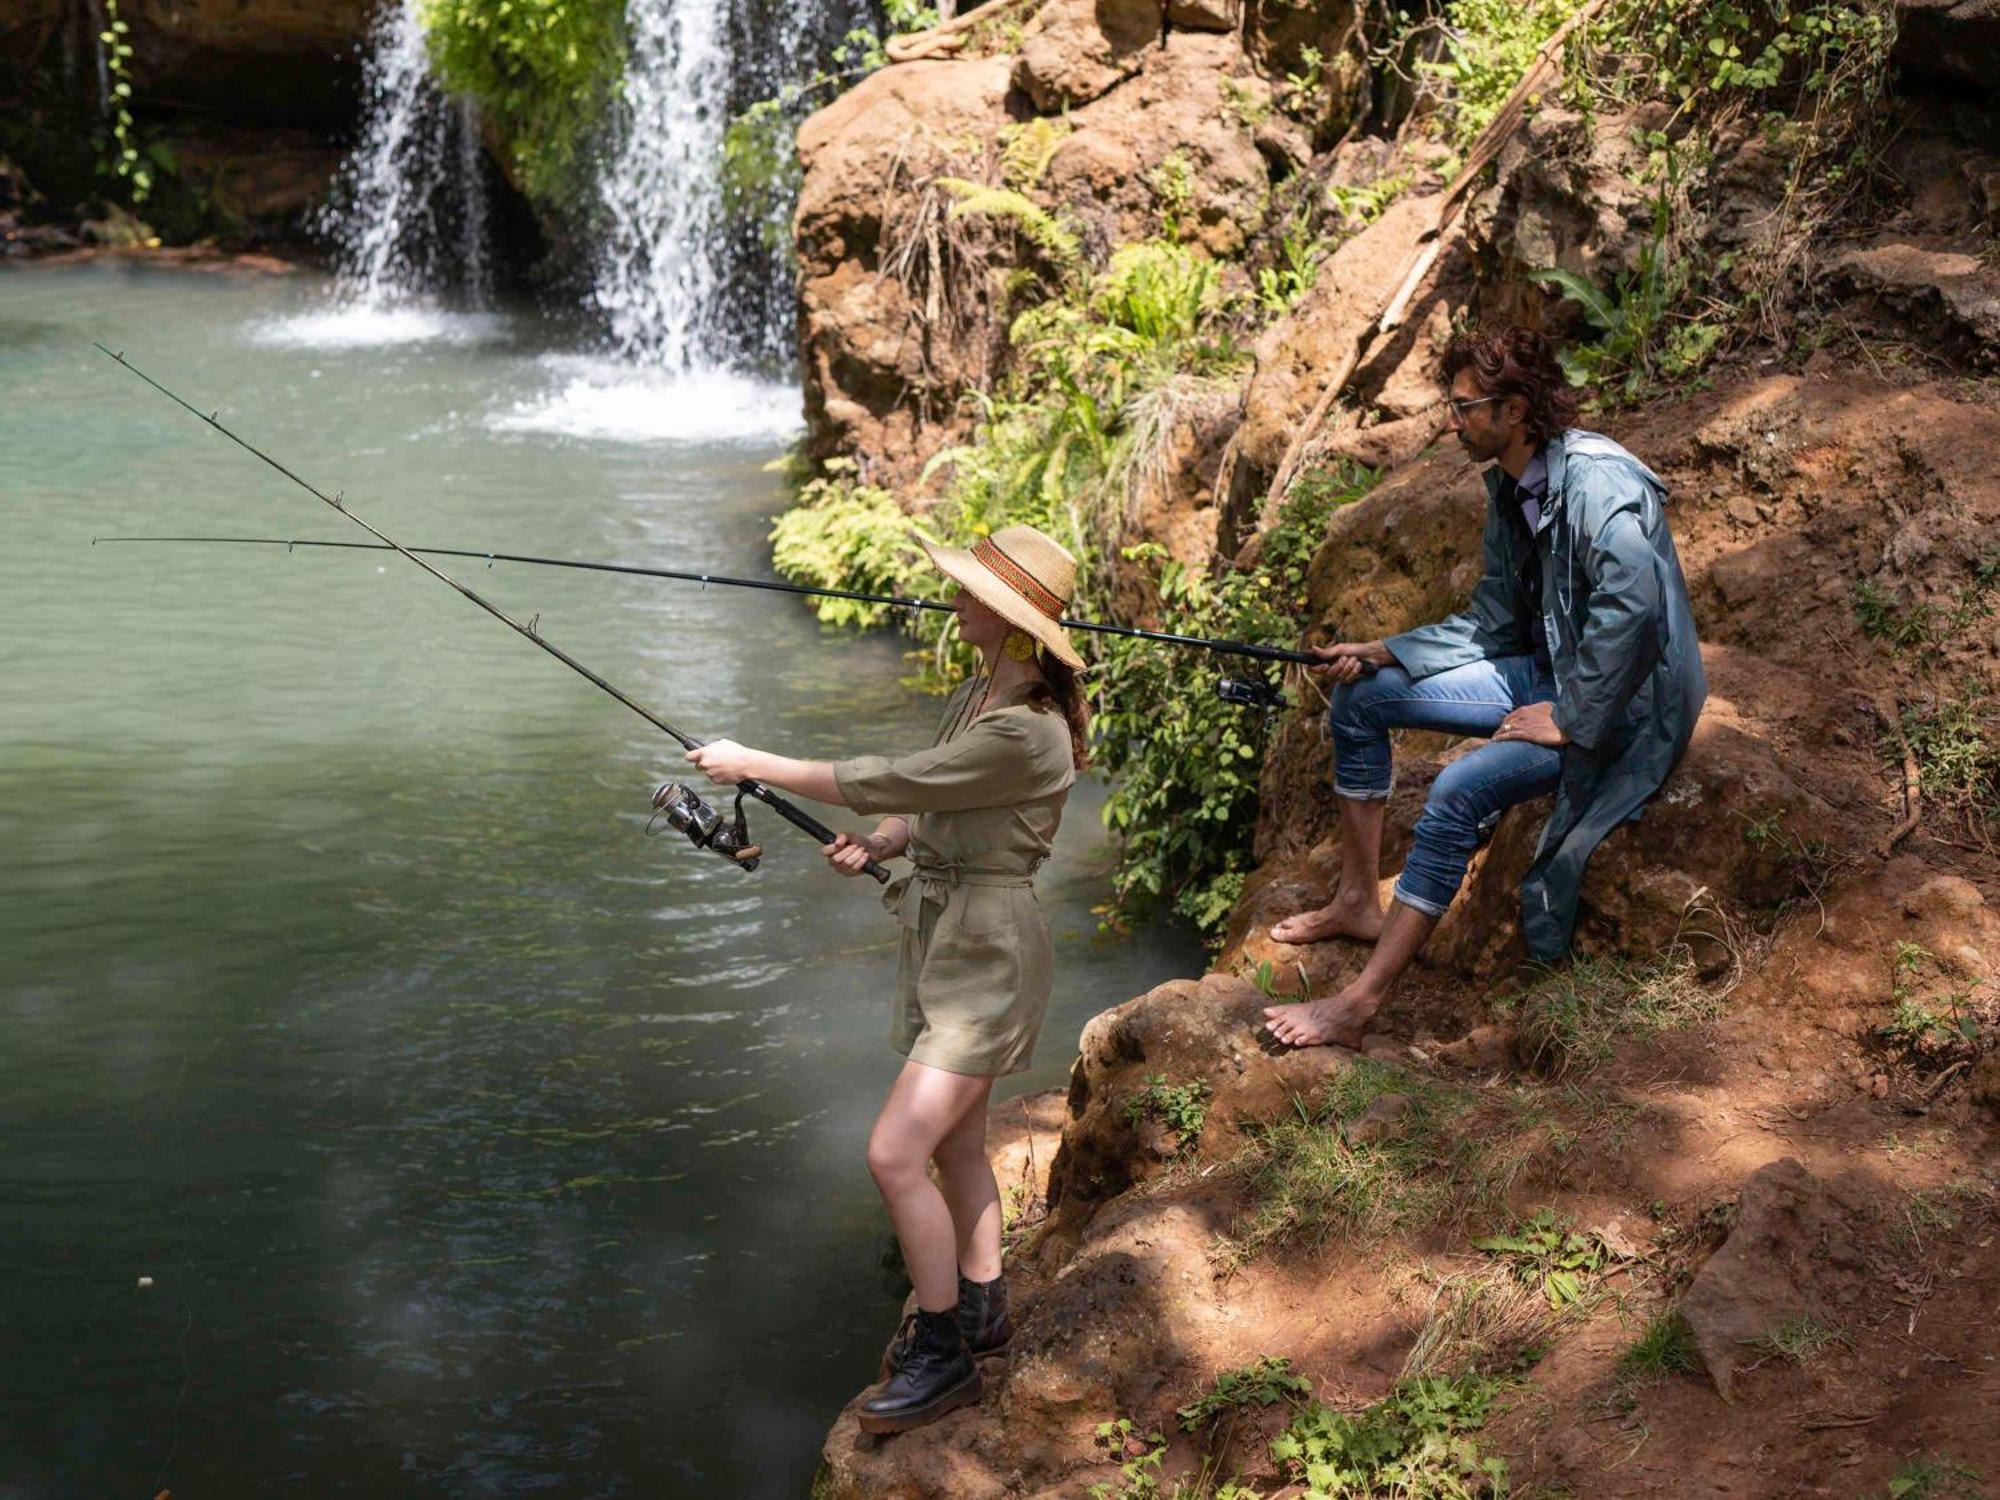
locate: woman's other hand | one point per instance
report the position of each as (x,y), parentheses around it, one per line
(849,853)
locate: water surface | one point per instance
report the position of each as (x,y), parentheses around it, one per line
(475,1143)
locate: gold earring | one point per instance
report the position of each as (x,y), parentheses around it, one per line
(1019,646)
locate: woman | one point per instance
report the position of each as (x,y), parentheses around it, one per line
(976,813)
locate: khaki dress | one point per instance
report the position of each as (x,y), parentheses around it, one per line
(983,802)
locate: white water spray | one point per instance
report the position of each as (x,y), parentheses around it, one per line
(411,213)
(659,275)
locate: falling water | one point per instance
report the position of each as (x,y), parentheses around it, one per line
(659,275)
(681,288)
(408,214)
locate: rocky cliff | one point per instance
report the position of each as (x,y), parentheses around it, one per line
(1754,1124)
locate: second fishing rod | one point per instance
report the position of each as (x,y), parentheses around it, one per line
(1253,692)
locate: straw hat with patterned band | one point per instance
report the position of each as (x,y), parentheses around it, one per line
(1022,576)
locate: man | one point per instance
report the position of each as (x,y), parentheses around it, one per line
(1576,657)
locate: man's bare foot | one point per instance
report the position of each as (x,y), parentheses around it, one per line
(1338,918)
(1339,1020)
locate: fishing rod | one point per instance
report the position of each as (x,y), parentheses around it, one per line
(897,601)
(685,811)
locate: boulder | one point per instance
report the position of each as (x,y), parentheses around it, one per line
(877,363)
(1647,879)
(1955,39)
(1076,50)
(1954,295)
(1765,1273)
(1166,130)
(1183,1031)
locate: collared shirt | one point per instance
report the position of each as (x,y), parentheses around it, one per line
(1530,492)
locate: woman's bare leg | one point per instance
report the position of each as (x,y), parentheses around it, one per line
(923,1107)
(965,1176)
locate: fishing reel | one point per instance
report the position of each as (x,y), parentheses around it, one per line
(1251,692)
(704,826)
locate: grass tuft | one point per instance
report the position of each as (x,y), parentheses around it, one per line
(1574,1018)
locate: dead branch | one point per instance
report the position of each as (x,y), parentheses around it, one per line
(1912,777)
(1450,205)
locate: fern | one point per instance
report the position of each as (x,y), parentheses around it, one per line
(1044,229)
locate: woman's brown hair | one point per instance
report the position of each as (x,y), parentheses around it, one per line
(1064,693)
(1517,361)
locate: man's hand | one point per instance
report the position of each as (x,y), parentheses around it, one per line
(727,762)
(1349,661)
(1536,724)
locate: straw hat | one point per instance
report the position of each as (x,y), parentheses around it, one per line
(1022,576)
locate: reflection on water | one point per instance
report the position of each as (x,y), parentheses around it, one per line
(475,1143)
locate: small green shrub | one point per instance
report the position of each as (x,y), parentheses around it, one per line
(1419,1443)
(1647,340)
(1545,1252)
(1934,1476)
(1265,1383)
(1186,765)
(847,536)
(1665,1347)
(1181,1107)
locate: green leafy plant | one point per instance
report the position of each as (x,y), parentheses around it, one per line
(842,534)
(1186,764)
(122,156)
(1045,230)
(544,71)
(1173,186)
(1544,1251)
(1360,204)
(1934,1476)
(1265,1383)
(1646,338)
(1924,1033)
(1181,1107)
(1489,45)
(1420,1442)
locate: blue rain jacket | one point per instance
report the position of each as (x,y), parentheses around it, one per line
(1620,637)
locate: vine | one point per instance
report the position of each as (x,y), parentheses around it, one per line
(124,160)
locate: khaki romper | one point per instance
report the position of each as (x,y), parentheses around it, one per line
(976,966)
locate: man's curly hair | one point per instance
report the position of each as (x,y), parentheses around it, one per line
(1517,361)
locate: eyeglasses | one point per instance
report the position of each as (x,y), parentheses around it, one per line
(1460,406)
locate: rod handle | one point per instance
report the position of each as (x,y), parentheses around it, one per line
(801,819)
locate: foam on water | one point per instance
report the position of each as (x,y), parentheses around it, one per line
(610,400)
(375,325)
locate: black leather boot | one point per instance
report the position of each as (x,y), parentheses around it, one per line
(982,1318)
(936,1376)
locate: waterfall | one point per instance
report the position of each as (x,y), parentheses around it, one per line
(680,288)
(408,213)
(659,274)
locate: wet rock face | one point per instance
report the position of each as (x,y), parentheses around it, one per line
(267,62)
(900,302)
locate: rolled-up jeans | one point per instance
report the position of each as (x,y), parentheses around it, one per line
(1472,790)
